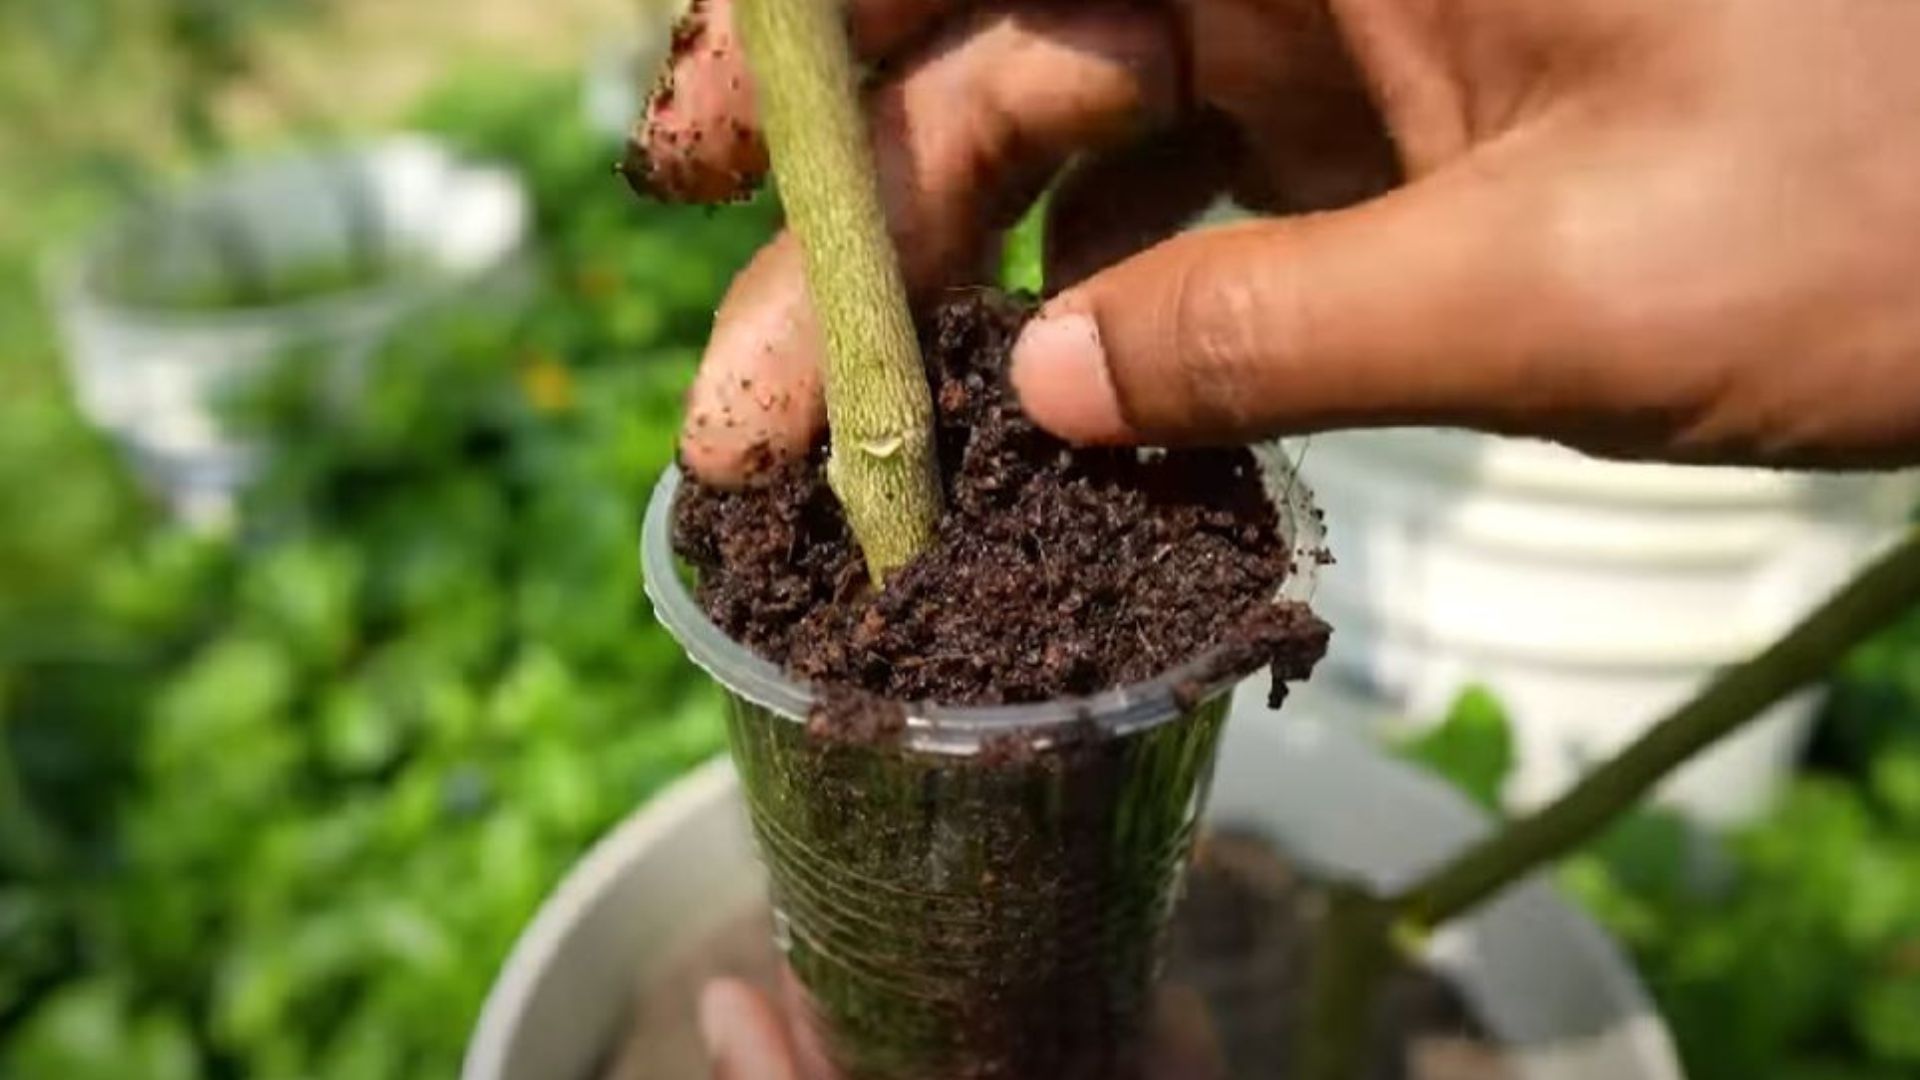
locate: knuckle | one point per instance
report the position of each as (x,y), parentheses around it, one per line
(1228,324)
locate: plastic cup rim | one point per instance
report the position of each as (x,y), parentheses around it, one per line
(963,729)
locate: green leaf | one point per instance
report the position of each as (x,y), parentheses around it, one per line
(1894,775)
(1023,251)
(235,684)
(307,593)
(557,784)
(358,733)
(1472,748)
(88,1030)
(539,693)
(1888,1018)
(158,585)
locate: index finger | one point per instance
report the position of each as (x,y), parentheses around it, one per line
(699,139)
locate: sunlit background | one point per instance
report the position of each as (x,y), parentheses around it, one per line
(314,684)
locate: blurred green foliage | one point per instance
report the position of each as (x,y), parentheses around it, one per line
(275,804)
(1472,746)
(186,52)
(1790,948)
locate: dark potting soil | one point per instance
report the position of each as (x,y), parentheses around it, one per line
(1241,941)
(1058,572)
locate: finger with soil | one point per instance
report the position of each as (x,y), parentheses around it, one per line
(699,137)
(698,140)
(965,136)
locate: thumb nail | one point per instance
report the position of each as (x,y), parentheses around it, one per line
(1060,372)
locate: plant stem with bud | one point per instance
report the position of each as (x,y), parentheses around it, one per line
(882,466)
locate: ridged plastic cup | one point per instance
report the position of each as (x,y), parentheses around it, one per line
(986,894)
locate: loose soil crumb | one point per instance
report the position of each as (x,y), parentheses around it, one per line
(1058,572)
(1240,940)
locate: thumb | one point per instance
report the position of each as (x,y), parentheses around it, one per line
(1436,303)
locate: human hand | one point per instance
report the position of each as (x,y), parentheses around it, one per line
(1680,229)
(748,1038)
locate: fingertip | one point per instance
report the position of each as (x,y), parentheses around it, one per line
(1185,1045)
(743,1037)
(732,440)
(757,401)
(720,1002)
(699,140)
(1060,372)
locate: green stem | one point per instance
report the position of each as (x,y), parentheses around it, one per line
(1880,594)
(1351,953)
(1357,942)
(879,409)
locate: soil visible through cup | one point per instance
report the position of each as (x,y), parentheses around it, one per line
(1241,940)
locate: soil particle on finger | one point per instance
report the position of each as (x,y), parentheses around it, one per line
(664,157)
(1058,572)
(689,29)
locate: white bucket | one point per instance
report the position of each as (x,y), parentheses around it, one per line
(152,375)
(1590,596)
(1541,976)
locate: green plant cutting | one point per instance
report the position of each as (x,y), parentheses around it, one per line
(878,406)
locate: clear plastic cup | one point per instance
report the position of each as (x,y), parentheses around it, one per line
(986,894)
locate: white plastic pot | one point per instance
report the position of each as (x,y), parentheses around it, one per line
(1541,976)
(1591,596)
(152,374)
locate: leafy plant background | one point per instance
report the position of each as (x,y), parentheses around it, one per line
(1789,948)
(275,805)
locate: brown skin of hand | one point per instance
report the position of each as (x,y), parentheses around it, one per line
(1674,229)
